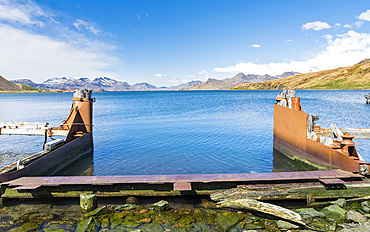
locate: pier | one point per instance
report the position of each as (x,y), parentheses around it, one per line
(325,182)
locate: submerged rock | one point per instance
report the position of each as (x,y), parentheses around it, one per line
(98,212)
(228,220)
(283,225)
(266,208)
(36,217)
(127,207)
(355,216)
(63,225)
(320,224)
(87,225)
(208,204)
(185,221)
(53,230)
(334,212)
(308,213)
(159,206)
(365,206)
(352,227)
(132,200)
(29,226)
(341,202)
(152,228)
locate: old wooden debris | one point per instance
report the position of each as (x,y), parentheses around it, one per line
(265,208)
(294,191)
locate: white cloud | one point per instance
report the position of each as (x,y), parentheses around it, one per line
(359,23)
(347,26)
(327,37)
(337,25)
(160,75)
(289,41)
(24,13)
(317,26)
(27,55)
(344,50)
(365,16)
(255,46)
(34,45)
(202,72)
(80,24)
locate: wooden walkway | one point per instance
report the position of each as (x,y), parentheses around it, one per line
(181,182)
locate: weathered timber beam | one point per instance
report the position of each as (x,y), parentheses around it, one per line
(301,193)
(22,194)
(27,131)
(359,133)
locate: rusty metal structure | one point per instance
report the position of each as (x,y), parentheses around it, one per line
(56,154)
(297,137)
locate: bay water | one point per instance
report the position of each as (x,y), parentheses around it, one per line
(178,132)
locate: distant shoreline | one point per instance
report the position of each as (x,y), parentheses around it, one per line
(22,92)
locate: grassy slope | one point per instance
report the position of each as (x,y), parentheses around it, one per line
(353,77)
(6,85)
(27,88)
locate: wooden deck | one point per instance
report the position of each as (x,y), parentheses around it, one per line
(57,181)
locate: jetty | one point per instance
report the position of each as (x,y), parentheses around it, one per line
(295,133)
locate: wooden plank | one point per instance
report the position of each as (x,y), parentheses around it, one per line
(332,181)
(192,178)
(27,187)
(181,186)
(27,131)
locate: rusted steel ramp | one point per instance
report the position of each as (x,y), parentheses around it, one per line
(161,185)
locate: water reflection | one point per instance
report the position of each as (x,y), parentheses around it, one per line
(83,166)
(281,163)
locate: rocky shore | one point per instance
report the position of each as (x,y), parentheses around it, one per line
(339,215)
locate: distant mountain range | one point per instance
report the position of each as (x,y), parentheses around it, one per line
(351,77)
(97,84)
(109,84)
(240,78)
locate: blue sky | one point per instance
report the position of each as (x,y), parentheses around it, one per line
(171,42)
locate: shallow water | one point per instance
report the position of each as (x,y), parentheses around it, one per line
(178,132)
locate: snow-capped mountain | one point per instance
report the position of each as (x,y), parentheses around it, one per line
(97,84)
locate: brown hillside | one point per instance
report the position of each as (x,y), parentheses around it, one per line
(6,85)
(353,77)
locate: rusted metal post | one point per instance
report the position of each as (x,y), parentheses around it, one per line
(367,98)
(79,121)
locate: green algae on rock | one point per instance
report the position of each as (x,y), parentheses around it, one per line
(307,213)
(98,212)
(334,212)
(87,225)
(354,216)
(228,220)
(159,206)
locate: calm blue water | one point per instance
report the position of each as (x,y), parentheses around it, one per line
(177,132)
